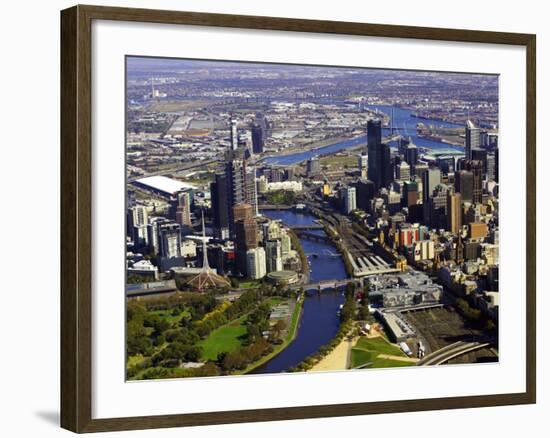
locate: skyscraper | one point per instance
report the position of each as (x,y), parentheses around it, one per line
(241,186)
(431,178)
(491,167)
(386,165)
(242,211)
(362,163)
(257,139)
(410,193)
(476,167)
(256,263)
(183,208)
(137,222)
(472,140)
(411,156)
(259,131)
(454,212)
(220,205)
(350,199)
(274,256)
(246,238)
(169,240)
(233,134)
(464,184)
(313,167)
(364,194)
(403,171)
(374,143)
(438,207)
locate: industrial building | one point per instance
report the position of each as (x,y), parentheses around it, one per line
(162,185)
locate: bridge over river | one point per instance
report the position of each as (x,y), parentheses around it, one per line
(328,284)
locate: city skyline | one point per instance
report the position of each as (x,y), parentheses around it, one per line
(259,192)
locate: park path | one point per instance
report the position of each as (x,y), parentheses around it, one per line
(401,358)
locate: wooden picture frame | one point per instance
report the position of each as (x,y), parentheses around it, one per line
(76,176)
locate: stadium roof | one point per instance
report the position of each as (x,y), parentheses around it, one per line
(164,184)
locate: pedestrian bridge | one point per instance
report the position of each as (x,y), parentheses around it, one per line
(328,284)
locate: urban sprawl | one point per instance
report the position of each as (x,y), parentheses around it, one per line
(267,204)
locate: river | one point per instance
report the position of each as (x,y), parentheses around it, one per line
(319,322)
(402,119)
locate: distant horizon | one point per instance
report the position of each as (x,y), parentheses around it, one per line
(135,64)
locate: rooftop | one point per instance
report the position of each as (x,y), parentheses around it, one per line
(164,184)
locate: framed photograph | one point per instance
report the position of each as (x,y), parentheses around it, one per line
(268,218)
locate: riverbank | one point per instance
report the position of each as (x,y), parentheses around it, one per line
(309,146)
(292,331)
(338,359)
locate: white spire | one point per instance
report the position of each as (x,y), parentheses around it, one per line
(205,266)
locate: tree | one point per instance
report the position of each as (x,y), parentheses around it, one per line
(278,328)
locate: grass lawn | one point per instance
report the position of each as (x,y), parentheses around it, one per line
(390,363)
(367,350)
(225,338)
(380,345)
(250,284)
(339,161)
(361,357)
(273,301)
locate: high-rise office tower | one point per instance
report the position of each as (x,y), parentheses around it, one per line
(274,255)
(233,134)
(386,165)
(454,212)
(364,194)
(138,215)
(438,207)
(480,155)
(243,211)
(256,263)
(241,186)
(313,167)
(374,144)
(260,130)
(137,222)
(496,164)
(169,240)
(257,139)
(411,157)
(183,208)
(403,171)
(472,140)
(431,179)
(410,193)
(220,205)
(464,184)
(491,167)
(246,238)
(446,164)
(476,167)
(350,199)
(362,163)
